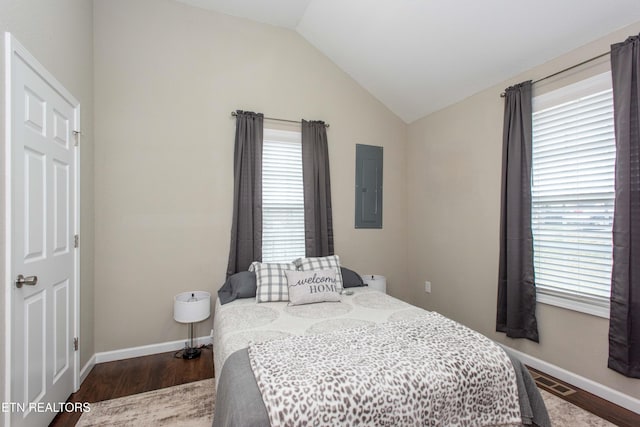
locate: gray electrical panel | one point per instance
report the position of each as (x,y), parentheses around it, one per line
(368,186)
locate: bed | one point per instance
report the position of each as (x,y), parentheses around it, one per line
(245,330)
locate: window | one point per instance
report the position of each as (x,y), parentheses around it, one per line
(573,195)
(282,196)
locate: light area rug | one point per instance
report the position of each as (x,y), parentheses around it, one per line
(564,414)
(192,405)
(186,405)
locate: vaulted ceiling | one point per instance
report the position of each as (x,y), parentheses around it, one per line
(418,56)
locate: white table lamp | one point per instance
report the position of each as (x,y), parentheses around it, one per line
(191,307)
(375,281)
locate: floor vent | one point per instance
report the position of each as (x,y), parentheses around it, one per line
(551,384)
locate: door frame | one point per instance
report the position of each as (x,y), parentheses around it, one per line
(13,48)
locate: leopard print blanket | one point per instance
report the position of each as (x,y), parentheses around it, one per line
(430,371)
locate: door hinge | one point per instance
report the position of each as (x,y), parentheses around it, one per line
(77,134)
(75,344)
(76,241)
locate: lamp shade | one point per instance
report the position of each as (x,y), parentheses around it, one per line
(190,307)
(375,281)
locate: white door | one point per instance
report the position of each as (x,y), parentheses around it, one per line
(44,261)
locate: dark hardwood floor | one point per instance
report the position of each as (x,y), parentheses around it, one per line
(585,400)
(138,375)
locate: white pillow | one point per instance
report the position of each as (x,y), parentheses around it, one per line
(320,263)
(307,287)
(271,281)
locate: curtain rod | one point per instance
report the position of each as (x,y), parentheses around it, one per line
(503,94)
(234,114)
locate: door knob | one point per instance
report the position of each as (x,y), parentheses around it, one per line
(29,280)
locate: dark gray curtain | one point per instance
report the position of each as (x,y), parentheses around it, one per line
(318,222)
(246,228)
(624,321)
(516,314)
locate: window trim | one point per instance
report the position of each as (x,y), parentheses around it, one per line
(283,136)
(588,304)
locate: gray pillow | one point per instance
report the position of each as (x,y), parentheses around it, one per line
(351,279)
(240,285)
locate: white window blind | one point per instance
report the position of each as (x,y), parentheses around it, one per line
(282,196)
(573,195)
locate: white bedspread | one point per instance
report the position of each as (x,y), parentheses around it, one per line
(237,323)
(426,371)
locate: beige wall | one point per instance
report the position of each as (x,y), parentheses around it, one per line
(59,35)
(453,175)
(167,77)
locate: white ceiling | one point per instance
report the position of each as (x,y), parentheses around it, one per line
(418,56)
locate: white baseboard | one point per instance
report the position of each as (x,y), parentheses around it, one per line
(607,393)
(145,350)
(87,368)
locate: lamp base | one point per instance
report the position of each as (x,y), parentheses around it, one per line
(191,353)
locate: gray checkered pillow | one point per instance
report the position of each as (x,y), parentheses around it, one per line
(321,263)
(271,280)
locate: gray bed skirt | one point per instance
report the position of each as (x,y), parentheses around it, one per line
(239,402)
